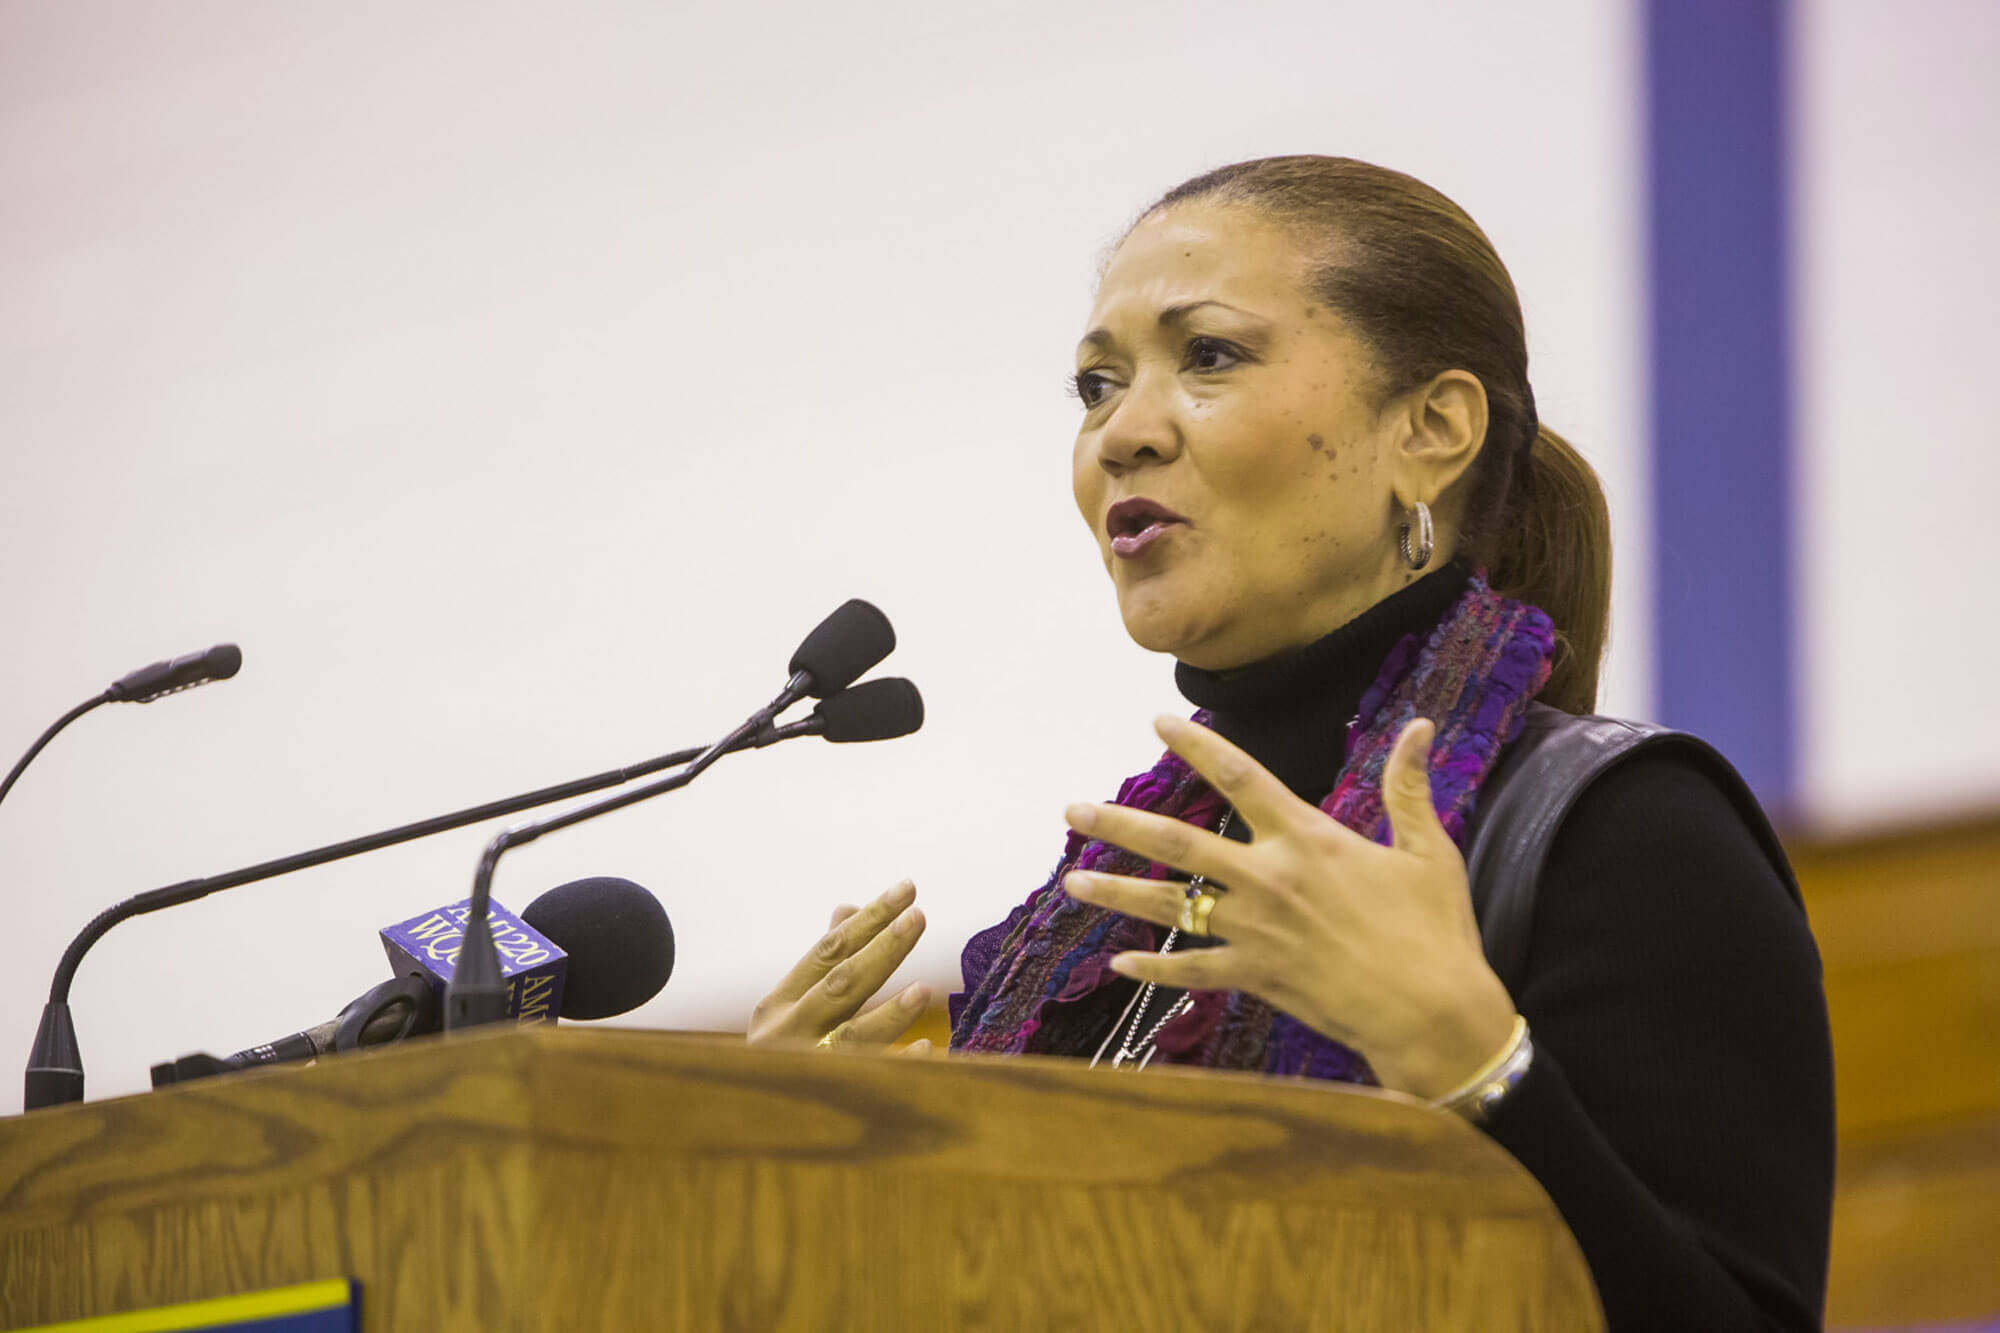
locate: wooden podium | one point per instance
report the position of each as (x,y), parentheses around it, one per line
(617,1179)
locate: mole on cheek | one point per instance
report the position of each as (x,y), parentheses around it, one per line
(1316,442)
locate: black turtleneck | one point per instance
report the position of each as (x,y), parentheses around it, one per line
(1679,1109)
(1291,712)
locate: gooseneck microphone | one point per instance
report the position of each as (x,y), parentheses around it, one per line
(55,1063)
(840,648)
(55,1059)
(141,687)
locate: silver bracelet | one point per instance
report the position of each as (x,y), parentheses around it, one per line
(1480,1096)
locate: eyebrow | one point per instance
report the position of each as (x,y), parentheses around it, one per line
(1173,314)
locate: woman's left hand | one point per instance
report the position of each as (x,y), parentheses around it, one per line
(1373,946)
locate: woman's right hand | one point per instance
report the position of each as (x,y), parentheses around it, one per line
(820,999)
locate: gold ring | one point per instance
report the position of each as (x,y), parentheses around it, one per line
(1195,911)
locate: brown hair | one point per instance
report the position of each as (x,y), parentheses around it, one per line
(1417,279)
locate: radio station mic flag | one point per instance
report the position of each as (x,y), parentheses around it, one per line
(531,965)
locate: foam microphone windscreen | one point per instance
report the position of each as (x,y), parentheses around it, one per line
(843,646)
(619,941)
(874,710)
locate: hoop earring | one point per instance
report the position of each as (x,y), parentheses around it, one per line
(1420,557)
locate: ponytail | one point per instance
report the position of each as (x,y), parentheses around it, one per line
(1553,550)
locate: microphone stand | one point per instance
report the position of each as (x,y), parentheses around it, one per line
(55,1064)
(14,773)
(477,992)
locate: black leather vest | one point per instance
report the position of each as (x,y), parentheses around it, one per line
(1524,800)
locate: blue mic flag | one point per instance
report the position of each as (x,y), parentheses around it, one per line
(534,968)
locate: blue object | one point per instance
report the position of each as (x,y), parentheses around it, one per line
(1721,380)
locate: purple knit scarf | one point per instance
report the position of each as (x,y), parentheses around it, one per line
(1474,677)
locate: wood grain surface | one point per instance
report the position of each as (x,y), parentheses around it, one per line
(1908,926)
(622,1179)
(1916,1229)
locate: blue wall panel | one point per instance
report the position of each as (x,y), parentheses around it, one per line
(1721,451)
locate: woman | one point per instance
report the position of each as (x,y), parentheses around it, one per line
(1311,458)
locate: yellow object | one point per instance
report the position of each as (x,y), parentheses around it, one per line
(306,1298)
(1489,1069)
(1199,904)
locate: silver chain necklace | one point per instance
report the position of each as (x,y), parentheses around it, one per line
(1135,1048)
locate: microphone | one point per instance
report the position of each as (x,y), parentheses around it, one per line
(615,935)
(533,969)
(141,687)
(874,710)
(839,650)
(55,1063)
(390,1011)
(618,938)
(176,674)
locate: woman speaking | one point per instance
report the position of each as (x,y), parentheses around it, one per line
(1310,457)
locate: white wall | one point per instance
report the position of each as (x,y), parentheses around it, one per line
(516,385)
(1897,196)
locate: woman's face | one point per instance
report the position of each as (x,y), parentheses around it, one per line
(1231,461)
